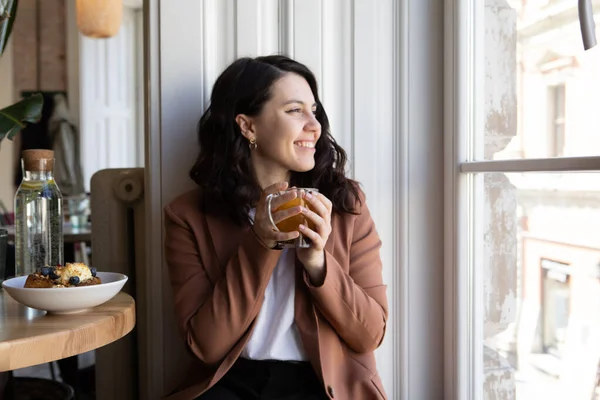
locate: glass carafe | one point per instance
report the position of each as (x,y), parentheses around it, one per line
(38,215)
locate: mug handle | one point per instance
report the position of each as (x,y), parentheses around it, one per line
(268,200)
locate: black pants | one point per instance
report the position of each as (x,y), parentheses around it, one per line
(267,380)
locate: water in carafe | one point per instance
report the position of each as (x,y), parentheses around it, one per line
(38,215)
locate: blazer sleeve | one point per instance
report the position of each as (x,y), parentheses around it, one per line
(355,303)
(213,316)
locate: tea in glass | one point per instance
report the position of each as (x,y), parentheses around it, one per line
(292,223)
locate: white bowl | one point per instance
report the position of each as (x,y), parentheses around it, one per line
(66,300)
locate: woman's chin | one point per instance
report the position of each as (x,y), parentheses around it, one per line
(305,167)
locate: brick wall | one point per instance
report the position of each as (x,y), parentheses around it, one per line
(7,149)
(39,52)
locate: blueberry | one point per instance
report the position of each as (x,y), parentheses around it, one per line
(74,280)
(53,275)
(46,271)
(93,271)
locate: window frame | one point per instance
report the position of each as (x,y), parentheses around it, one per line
(463,167)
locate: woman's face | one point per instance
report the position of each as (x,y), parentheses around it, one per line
(286,130)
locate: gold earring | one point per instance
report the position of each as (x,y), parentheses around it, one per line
(252,144)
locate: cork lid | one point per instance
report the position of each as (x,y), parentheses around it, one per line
(38,160)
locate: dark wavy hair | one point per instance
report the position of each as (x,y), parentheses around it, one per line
(223,169)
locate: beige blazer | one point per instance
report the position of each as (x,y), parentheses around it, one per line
(219,272)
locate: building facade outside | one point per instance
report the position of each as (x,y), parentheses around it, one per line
(554,341)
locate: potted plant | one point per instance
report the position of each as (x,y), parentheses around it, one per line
(14,117)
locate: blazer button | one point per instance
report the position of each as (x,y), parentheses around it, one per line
(330,391)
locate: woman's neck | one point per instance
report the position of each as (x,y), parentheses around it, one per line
(267,175)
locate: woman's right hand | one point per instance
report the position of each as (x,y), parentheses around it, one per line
(263,228)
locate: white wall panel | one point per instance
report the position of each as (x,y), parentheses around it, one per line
(337,92)
(308,38)
(211,44)
(286,27)
(227,34)
(257,27)
(249,24)
(365,59)
(373,144)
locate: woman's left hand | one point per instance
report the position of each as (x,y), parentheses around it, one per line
(313,258)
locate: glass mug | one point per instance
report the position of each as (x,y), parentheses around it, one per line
(292,224)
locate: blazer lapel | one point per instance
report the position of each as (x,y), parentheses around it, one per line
(306,313)
(306,319)
(224,238)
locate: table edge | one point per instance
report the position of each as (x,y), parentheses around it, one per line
(129,314)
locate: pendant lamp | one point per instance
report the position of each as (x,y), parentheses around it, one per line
(99,18)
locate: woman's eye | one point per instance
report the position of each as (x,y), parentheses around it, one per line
(295,110)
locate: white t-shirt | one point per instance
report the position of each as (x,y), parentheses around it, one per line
(275,335)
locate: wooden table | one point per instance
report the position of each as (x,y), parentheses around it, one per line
(30,337)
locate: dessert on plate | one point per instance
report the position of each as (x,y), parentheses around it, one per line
(69,275)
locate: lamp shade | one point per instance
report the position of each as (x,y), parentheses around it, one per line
(99,18)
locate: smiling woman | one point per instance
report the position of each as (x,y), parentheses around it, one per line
(295,322)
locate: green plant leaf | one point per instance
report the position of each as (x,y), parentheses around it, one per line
(7,18)
(14,118)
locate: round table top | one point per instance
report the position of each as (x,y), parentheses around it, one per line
(30,337)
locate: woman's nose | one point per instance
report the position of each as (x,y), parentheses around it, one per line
(313,124)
